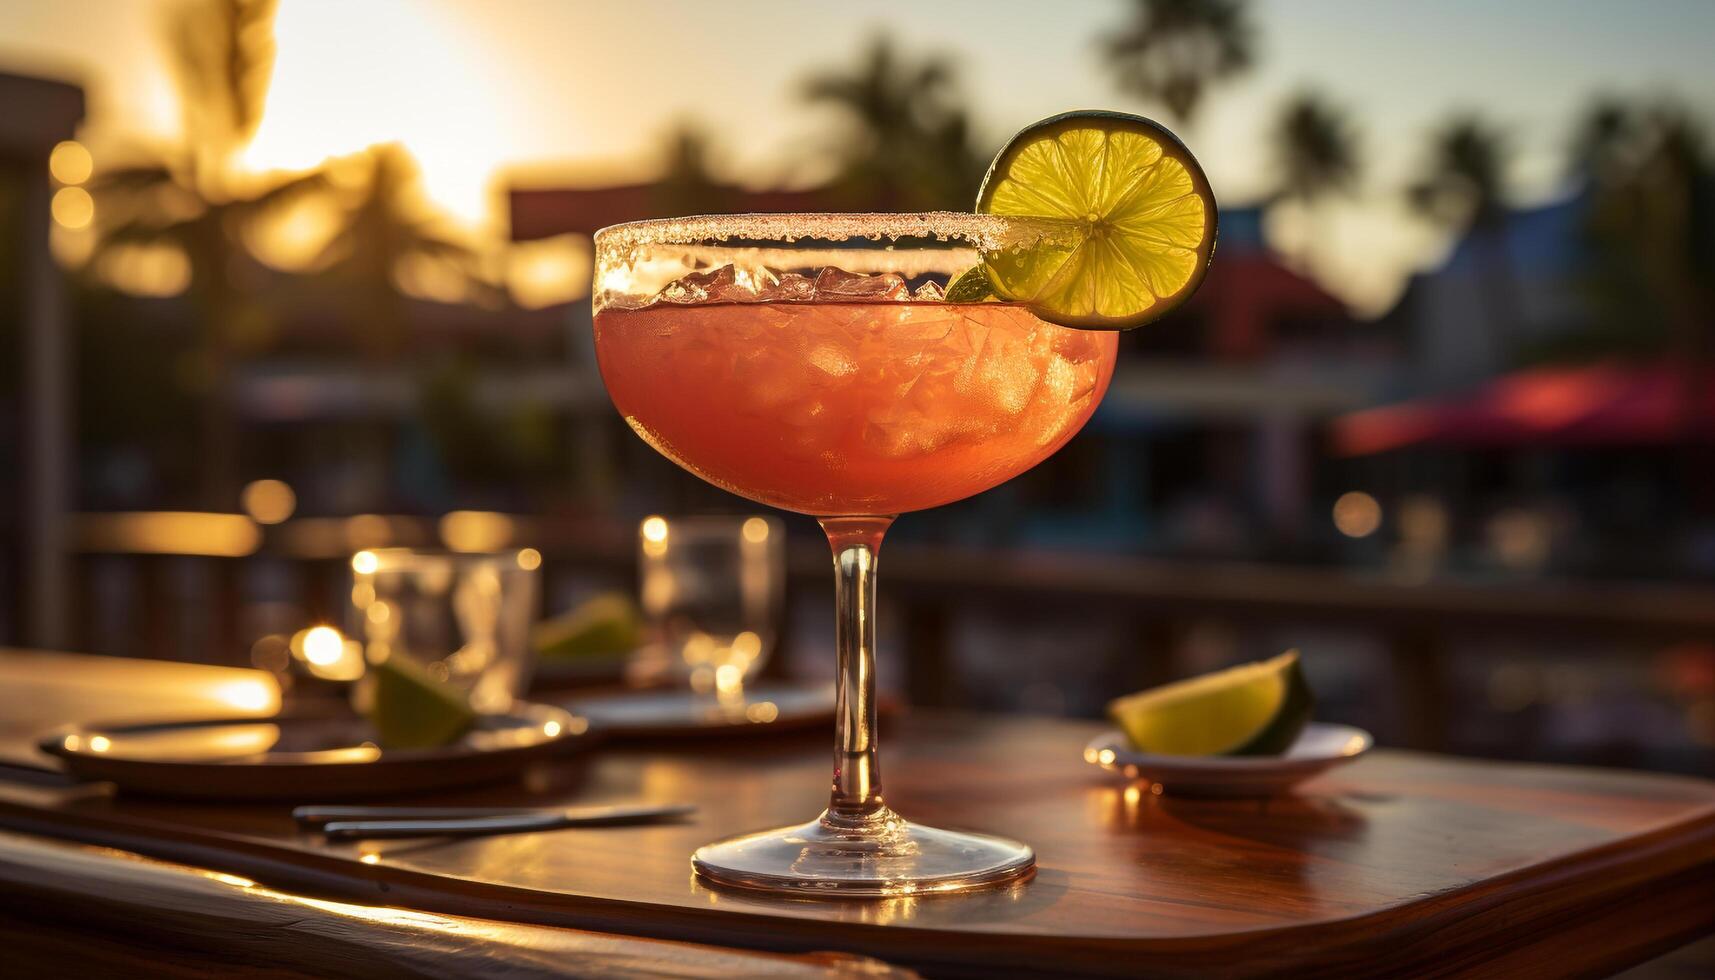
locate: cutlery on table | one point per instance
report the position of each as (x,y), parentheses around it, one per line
(314,817)
(352,823)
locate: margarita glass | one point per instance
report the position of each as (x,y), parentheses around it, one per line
(812,363)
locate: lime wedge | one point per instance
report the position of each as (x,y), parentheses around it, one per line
(1134,214)
(413,710)
(972,286)
(1252,709)
(604,625)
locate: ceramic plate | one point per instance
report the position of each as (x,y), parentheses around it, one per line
(307,754)
(1319,747)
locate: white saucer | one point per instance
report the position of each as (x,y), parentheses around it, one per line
(1320,747)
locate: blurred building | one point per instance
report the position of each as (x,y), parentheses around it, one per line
(36,391)
(1549,435)
(1495,292)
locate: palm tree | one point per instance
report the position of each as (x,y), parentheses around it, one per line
(1315,152)
(1606,142)
(1463,181)
(389,226)
(907,142)
(1649,221)
(688,184)
(1463,189)
(1173,51)
(191,198)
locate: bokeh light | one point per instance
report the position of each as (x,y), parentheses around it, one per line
(654,533)
(322,645)
(1357,514)
(158,271)
(70,163)
(268,501)
(476,530)
(73,207)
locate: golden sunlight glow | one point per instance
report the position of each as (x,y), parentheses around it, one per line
(146,270)
(323,645)
(1357,514)
(762,712)
(73,207)
(100,743)
(746,646)
(72,249)
(756,530)
(328,654)
(550,271)
(529,559)
(336,91)
(349,666)
(476,530)
(294,236)
(170,533)
(383,914)
(654,531)
(251,694)
(365,563)
(729,678)
(70,163)
(429,277)
(268,501)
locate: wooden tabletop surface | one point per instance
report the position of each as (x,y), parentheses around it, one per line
(77,910)
(1399,863)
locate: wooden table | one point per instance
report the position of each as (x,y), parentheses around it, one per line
(1400,864)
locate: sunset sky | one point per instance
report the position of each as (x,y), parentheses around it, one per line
(544,90)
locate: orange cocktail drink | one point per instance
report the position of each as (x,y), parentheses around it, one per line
(851,408)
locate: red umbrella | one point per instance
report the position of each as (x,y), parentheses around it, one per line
(1595,404)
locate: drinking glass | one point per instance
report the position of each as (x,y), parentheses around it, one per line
(812,363)
(465,617)
(711,589)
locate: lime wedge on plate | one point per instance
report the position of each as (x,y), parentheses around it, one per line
(411,709)
(1252,709)
(603,626)
(1132,215)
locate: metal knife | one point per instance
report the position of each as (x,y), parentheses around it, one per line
(316,816)
(505,823)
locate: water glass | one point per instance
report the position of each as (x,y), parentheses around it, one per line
(465,617)
(712,591)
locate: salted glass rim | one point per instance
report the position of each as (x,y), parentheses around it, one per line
(636,260)
(984,231)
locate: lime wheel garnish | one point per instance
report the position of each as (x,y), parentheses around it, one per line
(1129,213)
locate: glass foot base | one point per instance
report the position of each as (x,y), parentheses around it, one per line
(882,855)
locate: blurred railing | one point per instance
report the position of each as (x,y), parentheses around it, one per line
(204,587)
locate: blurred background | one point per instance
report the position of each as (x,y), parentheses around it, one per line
(283,281)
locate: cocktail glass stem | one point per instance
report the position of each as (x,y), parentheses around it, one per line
(855,801)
